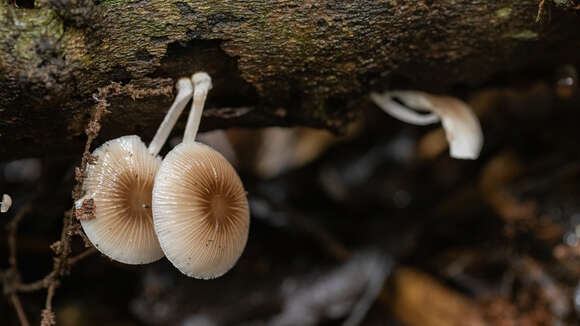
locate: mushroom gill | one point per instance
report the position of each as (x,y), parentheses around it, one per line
(119,184)
(201,211)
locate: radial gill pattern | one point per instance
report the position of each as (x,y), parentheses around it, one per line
(200,211)
(120,183)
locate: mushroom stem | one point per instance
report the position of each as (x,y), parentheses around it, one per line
(402,113)
(184,92)
(201,86)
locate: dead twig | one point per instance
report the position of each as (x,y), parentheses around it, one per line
(12,228)
(62,248)
(81,256)
(11,277)
(37,285)
(19,311)
(48,317)
(540,11)
(138,93)
(543,11)
(78,230)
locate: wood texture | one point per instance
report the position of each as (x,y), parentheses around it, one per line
(273,62)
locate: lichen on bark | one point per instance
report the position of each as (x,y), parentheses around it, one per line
(308,63)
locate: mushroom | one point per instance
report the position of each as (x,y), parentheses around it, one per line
(200,209)
(5,203)
(461,126)
(115,212)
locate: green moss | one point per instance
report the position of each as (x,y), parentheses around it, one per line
(524,35)
(32,26)
(503,13)
(76,48)
(112,2)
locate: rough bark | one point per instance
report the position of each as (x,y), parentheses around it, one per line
(273,62)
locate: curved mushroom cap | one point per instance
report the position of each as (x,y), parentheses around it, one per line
(460,124)
(5,203)
(200,211)
(120,184)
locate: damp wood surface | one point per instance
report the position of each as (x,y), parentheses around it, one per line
(310,63)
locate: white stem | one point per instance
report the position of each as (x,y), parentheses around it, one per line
(184,92)
(201,86)
(402,113)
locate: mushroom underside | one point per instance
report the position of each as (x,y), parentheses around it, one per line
(200,211)
(120,184)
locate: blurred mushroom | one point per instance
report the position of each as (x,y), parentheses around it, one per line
(115,212)
(418,299)
(283,149)
(461,126)
(566,81)
(200,210)
(218,139)
(5,203)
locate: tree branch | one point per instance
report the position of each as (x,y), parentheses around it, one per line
(309,63)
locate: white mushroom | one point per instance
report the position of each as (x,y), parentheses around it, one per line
(461,126)
(5,203)
(118,190)
(115,212)
(200,210)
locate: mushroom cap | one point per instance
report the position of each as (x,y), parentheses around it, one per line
(6,203)
(120,182)
(460,124)
(200,211)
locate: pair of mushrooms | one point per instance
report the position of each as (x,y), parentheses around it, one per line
(190,206)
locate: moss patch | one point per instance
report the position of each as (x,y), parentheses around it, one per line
(503,13)
(524,35)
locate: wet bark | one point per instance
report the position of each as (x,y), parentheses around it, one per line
(273,63)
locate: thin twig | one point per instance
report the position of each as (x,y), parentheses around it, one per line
(543,11)
(540,11)
(48,317)
(11,277)
(62,262)
(19,311)
(81,256)
(12,235)
(37,285)
(79,231)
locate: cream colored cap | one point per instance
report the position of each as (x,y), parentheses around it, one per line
(200,211)
(5,203)
(120,183)
(461,125)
